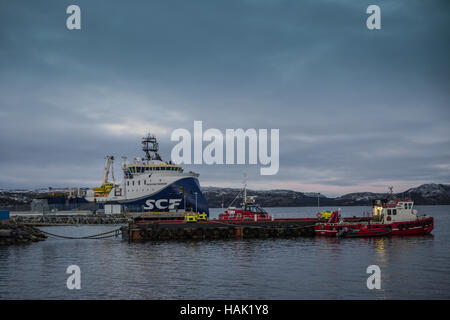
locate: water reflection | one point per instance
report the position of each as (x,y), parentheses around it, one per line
(302,268)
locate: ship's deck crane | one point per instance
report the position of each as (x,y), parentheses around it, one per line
(106,187)
(108,166)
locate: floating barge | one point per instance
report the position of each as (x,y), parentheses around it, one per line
(247,222)
(215,229)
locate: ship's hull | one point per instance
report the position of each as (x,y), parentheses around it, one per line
(349,230)
(179,195)
(413,228)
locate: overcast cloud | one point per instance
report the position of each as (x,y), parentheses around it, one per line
(357,109)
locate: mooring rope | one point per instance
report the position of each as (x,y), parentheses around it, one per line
(102,235)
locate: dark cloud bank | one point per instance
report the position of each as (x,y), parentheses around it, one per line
(357,109)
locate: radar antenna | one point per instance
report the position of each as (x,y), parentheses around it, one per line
(150,145)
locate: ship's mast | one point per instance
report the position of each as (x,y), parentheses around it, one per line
(150,146)
(245,190)
(391,193)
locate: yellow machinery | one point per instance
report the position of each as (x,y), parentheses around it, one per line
(190,217)
(201,216)
(194,217)
(326,214)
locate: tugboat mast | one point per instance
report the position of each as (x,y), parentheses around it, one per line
(391,193)
(150,145)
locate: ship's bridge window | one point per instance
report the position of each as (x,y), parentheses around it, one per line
(394,212)
(389,212)
(406,206)
(410,205)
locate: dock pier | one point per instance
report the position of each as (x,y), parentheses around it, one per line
(142,226)
(215,229)
(70,219)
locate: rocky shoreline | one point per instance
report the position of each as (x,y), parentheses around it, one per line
(13,233)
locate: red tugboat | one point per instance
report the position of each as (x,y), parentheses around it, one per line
(402,217)
(249,211)
(336,227)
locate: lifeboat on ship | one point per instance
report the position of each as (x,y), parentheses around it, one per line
(402,217)
(336,227)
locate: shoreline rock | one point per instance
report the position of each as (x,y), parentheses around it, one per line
(13,233)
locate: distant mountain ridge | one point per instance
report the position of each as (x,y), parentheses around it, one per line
(426,194)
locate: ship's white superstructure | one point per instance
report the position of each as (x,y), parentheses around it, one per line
(151,184)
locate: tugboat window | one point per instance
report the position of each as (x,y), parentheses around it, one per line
(389,212)
(394,212)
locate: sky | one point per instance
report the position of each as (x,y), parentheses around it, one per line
(357,109)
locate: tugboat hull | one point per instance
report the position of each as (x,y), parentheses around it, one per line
(348,230)
(412,228)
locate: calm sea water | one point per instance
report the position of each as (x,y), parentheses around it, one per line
(302,268)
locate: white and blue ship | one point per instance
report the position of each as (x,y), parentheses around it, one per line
(149,185)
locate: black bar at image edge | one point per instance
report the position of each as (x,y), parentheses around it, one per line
(213,309)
